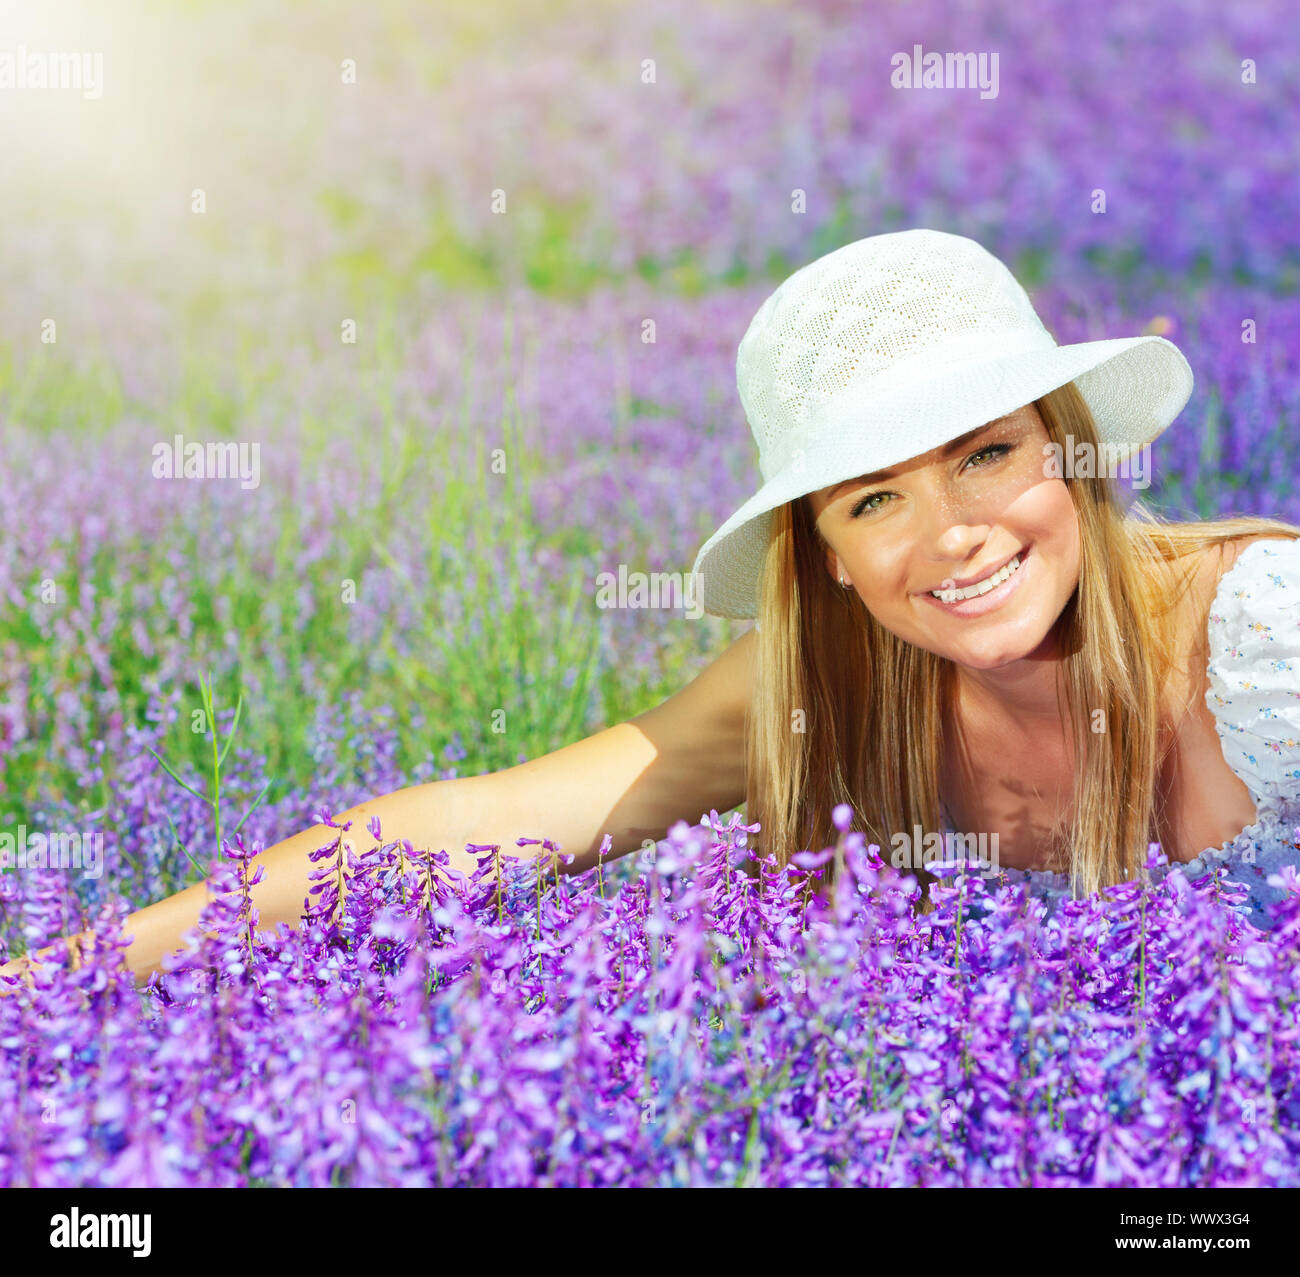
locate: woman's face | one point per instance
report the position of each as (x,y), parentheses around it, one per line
(952,518)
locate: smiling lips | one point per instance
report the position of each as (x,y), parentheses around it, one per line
(982,586)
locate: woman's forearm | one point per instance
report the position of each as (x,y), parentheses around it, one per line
(629,781)
(425,814)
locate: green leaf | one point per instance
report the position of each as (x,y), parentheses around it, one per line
(182,846)
(234,727)
(253,808)
(178,780)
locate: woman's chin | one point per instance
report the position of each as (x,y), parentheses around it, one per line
(996,651)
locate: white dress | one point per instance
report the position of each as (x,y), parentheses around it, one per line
(1254,695)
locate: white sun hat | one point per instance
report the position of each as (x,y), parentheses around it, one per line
(891,346)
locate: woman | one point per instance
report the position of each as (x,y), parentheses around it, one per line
(952,606)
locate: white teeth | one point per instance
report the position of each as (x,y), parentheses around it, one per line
(990,582)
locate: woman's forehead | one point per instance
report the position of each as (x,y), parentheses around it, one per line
(823,496)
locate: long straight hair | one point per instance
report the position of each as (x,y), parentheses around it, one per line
(846,712)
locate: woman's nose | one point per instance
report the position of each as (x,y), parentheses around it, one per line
(954,529)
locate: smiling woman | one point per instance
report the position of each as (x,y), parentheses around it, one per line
(950,621)
(964,629)
(1016,657)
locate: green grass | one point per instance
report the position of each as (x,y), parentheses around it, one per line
(529,656)
(522,646)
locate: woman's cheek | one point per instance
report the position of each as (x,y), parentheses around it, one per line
(1042,504)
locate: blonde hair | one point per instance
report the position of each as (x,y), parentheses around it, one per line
(828,727)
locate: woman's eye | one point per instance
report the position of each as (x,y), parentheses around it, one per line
(867,503)
(993,451)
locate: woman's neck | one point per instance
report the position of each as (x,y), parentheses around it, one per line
(1027,690)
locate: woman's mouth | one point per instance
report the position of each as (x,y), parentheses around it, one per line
(984,595)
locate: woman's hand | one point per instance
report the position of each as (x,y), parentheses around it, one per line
(26,966)
(17,967)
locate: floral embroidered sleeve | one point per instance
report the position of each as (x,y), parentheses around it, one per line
(1254,672)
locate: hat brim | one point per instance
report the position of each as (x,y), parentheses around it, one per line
(1134,387)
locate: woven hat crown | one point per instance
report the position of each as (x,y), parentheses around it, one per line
(871,315)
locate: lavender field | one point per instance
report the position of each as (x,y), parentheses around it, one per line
(469,289)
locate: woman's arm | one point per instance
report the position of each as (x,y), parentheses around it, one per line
(632,781)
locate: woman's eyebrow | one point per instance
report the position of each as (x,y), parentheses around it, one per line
(879,476)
